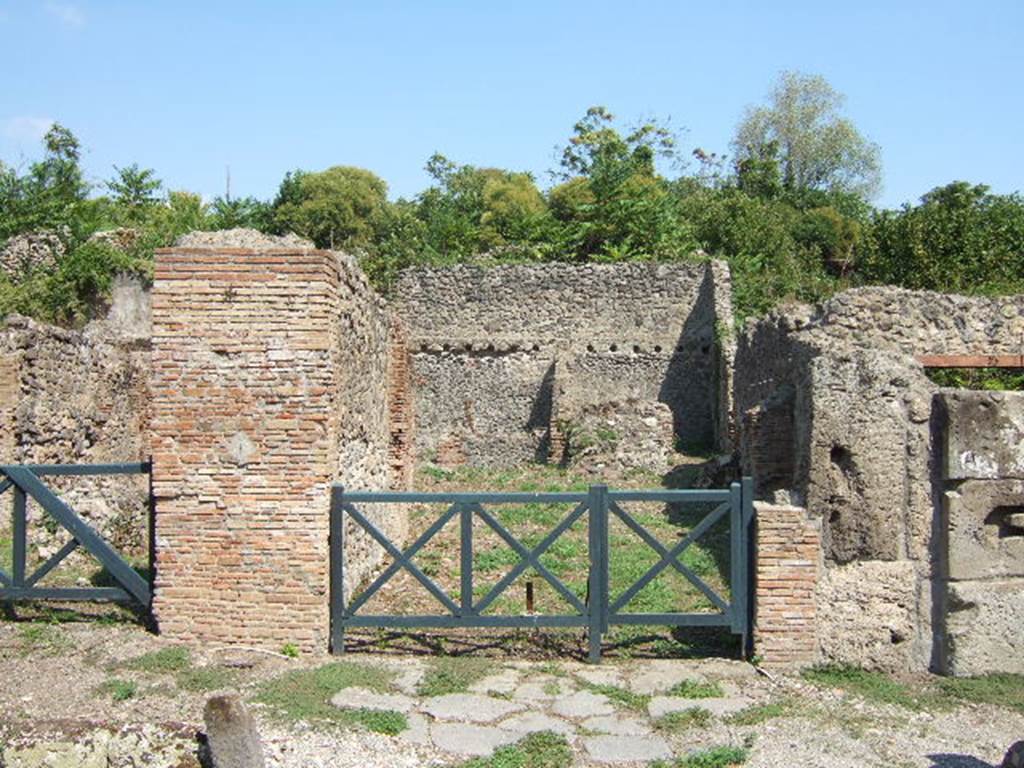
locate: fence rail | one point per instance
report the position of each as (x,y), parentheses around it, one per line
(597,612)
(19,585)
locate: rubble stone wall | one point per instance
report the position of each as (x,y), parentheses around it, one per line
(488,346)
(837,389)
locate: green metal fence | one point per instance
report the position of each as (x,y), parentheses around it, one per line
(598,611)
(24,480)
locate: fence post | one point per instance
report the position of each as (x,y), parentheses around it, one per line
(597,518)
(749,560)
(20,533)
(336,547)
(737,564)
(151,530)
(466,559)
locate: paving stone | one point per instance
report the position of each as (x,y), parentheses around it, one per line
(418,731)
(469,707)
(531,722)
(617,726)
(361,698)
(626,749)
(532,692)
(583,704)
(663,705)
(600,675)
(504,681)
(659,675)
(466,739)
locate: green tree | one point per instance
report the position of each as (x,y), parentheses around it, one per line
(336,208)
(233,212)
(816,147)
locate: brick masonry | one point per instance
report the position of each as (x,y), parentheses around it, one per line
(254,394)
(788,547)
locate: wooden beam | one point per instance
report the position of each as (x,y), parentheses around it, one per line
(971,361)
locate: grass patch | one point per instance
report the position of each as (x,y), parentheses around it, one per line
(117,689)
(538,750)
(1001,690)
(718,757)
(202,679)
(618,695)
(41,638)
(305,694)
(453,674)
(175,658)
(674,722)
(760,713)
(694,689)
(876,687)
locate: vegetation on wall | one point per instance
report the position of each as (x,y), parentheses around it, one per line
(790,211)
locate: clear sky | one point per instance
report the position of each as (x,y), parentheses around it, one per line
(190,87)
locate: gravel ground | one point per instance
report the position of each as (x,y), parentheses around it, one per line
(52,675)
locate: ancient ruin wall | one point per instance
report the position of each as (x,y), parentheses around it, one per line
(266,362)
(836,414)
(497,355)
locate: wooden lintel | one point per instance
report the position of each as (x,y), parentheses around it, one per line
(971,361)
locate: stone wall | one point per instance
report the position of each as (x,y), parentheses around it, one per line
(77,397)
(837,415)
(269,384)
(500,356)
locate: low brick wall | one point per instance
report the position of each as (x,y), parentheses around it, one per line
(788,550)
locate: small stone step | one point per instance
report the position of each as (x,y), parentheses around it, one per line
(469,707)
(466,739)
(627,749)
(583,704)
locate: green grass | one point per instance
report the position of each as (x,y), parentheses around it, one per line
(878,687)
(538,750)
(760,713)
(305,694)
(999,689)
(175,658)
(203,679)
(718,757)
(118,689)
(453,674)
(675,722)
(617,695)
(694,689)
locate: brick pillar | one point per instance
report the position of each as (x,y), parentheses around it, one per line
(788,553)
(245,427)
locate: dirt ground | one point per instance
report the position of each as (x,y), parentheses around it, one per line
(65,675)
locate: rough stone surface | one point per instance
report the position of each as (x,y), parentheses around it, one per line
(466,739)
(659,706)
(469,707)
(984,434)
(362,698)
(618,436)
(29,252)
(985,539)
(583,704)
(231,734)
(626,749)
(659,675)
(503,682)
(869,611)
(984,627)
(532,722)
(498,354)
(241,238)
(617,726)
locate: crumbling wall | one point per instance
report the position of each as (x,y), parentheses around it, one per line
(982,531)
(837,390)
(500,355)
(76,397)
(269,384)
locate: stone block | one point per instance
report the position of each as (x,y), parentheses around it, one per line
(985,534)
(985,627)
(984,434)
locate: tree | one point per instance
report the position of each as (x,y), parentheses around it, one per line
(816,147)
(134,190)
(335,208)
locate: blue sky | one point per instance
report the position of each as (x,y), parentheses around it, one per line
(188,88)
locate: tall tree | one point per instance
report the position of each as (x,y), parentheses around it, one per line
(816,147)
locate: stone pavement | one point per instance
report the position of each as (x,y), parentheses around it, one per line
(609,713)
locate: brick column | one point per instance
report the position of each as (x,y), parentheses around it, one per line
(245,427)
(788,551)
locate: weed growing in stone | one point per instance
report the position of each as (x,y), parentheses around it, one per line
(538,750)
(617,695)
(453,674)
(718,757)
(305,694)
(759,713)
(675,722)
(118,689)
(695,689)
